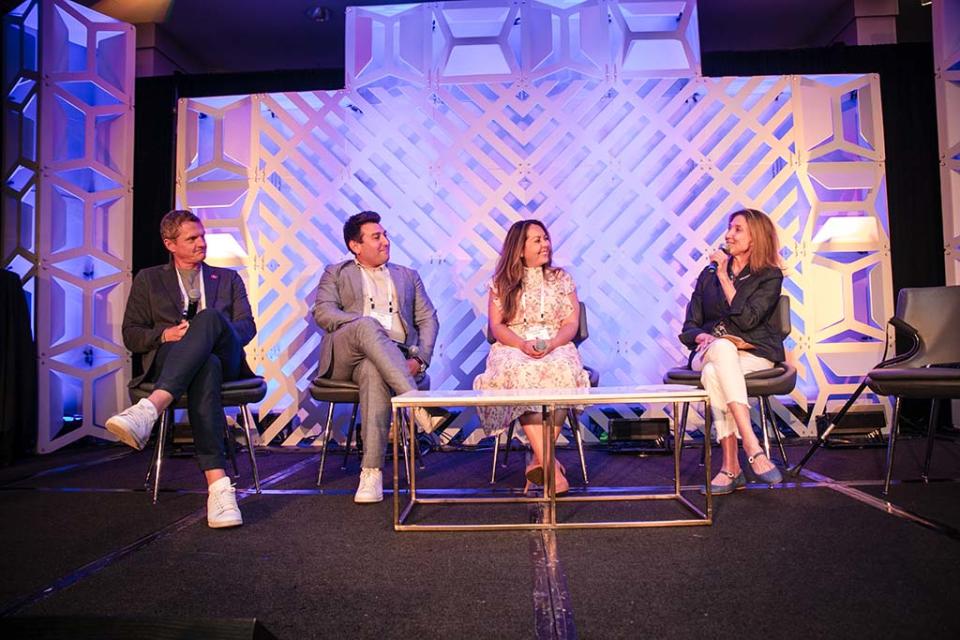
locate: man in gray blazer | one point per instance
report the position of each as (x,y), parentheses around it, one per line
(380,332)
(188,322)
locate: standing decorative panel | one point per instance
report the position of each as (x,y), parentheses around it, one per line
(946,52)
(68,158)
(634,167)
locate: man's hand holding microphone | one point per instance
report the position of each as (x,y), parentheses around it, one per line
(177,331)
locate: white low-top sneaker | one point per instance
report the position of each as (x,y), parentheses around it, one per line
(133,425)
(371,487)
(222,509)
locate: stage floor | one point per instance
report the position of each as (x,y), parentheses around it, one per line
(818,557)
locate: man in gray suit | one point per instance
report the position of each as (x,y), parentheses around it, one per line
(380,332)
(188,323)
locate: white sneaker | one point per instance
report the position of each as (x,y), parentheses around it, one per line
(429,421)
(133,425)
(222,509)
(371,487)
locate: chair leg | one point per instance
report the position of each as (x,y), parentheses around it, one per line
(506,452)
(327,430)
(891,444)
(402,434)
(248,426)
(763,427)
(776,432)
(573,418)
(683,430)
(412,447)
(353,426)
(153,458)
(421,459)
(231,450)
(165,421)
(931,432)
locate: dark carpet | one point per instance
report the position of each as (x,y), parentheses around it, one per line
(785,564)
(800,560)
(46,535)
(319,567)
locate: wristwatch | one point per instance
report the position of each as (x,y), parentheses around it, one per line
(423,365)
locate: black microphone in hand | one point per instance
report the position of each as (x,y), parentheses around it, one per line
(193,302)
(712,267)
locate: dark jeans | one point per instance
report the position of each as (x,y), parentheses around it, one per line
(208,354)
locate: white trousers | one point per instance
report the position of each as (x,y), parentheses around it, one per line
(722,369)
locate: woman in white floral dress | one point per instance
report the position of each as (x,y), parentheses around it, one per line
(534,316)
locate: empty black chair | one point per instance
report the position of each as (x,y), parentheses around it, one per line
(930,368)
(777,381)
(236,393)
(337,392)
(573,416)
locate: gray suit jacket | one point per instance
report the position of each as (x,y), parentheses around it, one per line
(340,300)
(155,303)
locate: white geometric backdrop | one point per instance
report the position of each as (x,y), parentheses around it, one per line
(67,205)
(946,60)
(946,53)
(458,119)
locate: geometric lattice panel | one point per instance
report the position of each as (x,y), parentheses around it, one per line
(548,113)
(946,59)
(946,51)
(68,163)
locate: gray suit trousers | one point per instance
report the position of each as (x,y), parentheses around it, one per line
(364,353)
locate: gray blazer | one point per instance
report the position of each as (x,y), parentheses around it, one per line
(340,300)
(155,304)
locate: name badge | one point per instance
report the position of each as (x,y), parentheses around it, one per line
(535,332)
(385,319)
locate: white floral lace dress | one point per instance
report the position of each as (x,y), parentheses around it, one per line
(544,304)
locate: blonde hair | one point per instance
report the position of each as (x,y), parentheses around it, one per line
(765,245)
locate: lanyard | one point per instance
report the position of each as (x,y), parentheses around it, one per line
(183,290)
(370,285)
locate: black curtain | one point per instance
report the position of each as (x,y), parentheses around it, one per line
(908,99)
(154,170)
(18,372)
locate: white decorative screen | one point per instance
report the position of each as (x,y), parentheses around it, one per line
(67,204)
(946,53)
(460,118)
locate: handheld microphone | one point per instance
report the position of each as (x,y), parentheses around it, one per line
(193,297)
(712,267)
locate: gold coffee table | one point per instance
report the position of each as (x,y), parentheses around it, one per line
(549,400)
